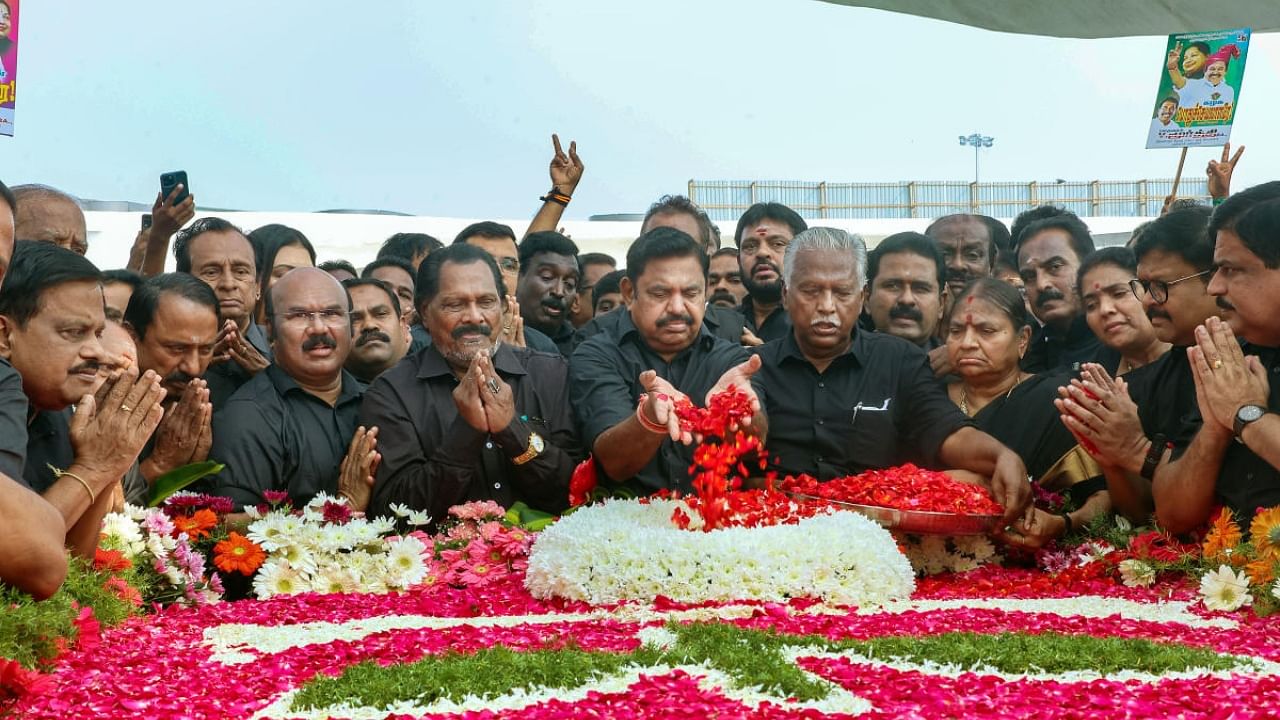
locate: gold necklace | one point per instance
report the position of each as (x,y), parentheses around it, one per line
(964,394)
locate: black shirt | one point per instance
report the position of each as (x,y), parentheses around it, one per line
(776,326)
(1246,482)
(273,435)
(722,322)
(48,443)
(563,338)
(432,459)
(13,423)
(226,377)
(1165,392)
(877,406)
(1051,352)
(604,387)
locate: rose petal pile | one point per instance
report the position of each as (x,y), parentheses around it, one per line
(905,487)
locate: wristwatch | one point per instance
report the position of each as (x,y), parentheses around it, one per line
(1245,415)
(536,446)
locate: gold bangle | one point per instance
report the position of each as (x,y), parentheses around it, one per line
(93,497)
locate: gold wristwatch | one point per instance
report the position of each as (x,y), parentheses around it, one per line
(535,448)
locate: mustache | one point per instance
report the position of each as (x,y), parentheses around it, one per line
(722,294)
(666,320)
(1047,296)
(1225,304)
(178,377)
(1155,312)
(370,335)
(765,264)
(958,276)
(555,303)
(909,312)
(318,341)
(89,366)
(461,330)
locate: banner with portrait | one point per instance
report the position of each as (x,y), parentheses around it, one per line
(1199,89)
(8,63)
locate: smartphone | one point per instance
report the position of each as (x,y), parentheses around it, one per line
(170,180)
(146,220)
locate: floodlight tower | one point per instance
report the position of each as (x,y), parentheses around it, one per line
(978,141)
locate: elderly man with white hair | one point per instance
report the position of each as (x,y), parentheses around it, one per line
(841,401)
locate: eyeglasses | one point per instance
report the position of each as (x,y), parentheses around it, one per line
(1159,289)
(509,264)
(306,318)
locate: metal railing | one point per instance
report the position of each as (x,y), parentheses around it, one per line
(728,199)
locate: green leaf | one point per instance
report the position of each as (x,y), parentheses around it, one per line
(179,478)
(529,518)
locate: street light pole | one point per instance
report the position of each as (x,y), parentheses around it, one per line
(978,141)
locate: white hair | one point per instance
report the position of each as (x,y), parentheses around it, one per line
(827,238)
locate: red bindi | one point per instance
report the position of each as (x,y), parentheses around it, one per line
(969,300)
(968,319)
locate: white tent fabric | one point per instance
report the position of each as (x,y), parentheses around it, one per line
(1091,18)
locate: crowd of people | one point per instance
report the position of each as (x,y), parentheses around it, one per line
(1132,379)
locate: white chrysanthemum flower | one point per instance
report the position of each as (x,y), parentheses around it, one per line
(277,578)
(417,518)
(253,512)
(1225,589)
(268,532)
(1136,573)
(400,510)
(380,526)
(405,564)
(299,558)
(334,580)
(625,550)
(121,532)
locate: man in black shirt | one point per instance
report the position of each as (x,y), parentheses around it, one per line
(380,330)
(32,558)
(762,236)
(469,417)
(173,319)
(51,316)
(293,426)
(1049,243)
(841,401)
(624,383)
(547,284)
(1175,260)
(500,242)
(1234,458)
(221,256)
(903,297)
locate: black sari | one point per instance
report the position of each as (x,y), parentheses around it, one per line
(1027,422)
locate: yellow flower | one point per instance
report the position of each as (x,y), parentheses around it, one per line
(1266,533)
(1223,537)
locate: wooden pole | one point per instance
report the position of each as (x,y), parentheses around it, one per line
(1177,177)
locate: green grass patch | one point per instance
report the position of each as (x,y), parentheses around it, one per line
(753,658)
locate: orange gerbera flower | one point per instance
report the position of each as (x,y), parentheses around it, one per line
(1223,537)
(1266,533)
(197,525)
(1261,571)
(238,554)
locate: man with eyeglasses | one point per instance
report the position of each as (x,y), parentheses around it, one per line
(293,427)
(763,234)
(1131,430)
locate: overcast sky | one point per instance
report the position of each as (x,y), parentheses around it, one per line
(441,108)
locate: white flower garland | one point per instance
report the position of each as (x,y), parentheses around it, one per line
(628,550)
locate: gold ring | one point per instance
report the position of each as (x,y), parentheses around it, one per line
(1217,363)
(493,386)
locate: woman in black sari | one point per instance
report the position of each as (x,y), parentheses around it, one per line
(987,334)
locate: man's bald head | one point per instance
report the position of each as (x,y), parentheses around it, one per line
(303,280)
(46,214)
